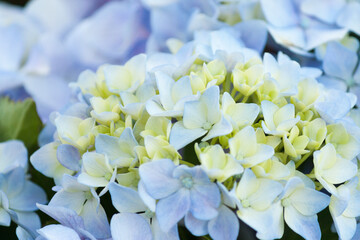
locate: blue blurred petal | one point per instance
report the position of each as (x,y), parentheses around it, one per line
(280,13)
(60,16)
(12,47)
(253,34)
(339,61)
(96,41)
(350,17)
(325,10)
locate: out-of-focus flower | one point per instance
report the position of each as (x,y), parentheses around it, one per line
(341,69)
(293,24)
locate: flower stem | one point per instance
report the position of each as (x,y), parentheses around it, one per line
(303,159)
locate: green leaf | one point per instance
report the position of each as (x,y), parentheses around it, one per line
(189,155)
(19,120)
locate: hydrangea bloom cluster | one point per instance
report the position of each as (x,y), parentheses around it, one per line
(200,138)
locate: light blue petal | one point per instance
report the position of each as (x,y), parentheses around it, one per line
(126,199)
(146,198)
(29,219)
(69,157)
(280,13)
(95,219)
(13,154)
(225,225)
(227,197)
(93,42)
(339,61)
(158,234)
(15,181)
(197,173)
(335,105)
(72,200)
(64,216)
(253,34)
(47,134)
(117,149)
(12,47)
(195,226)
(204,201)
(45,161)
(306,226)
(5,219)
(325,10)
(350,17)
(50,93)
(30,195)
(170,210)
(181,136)
(155,174)
(130,226)
(71,184)
(58,232)
(58,18)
